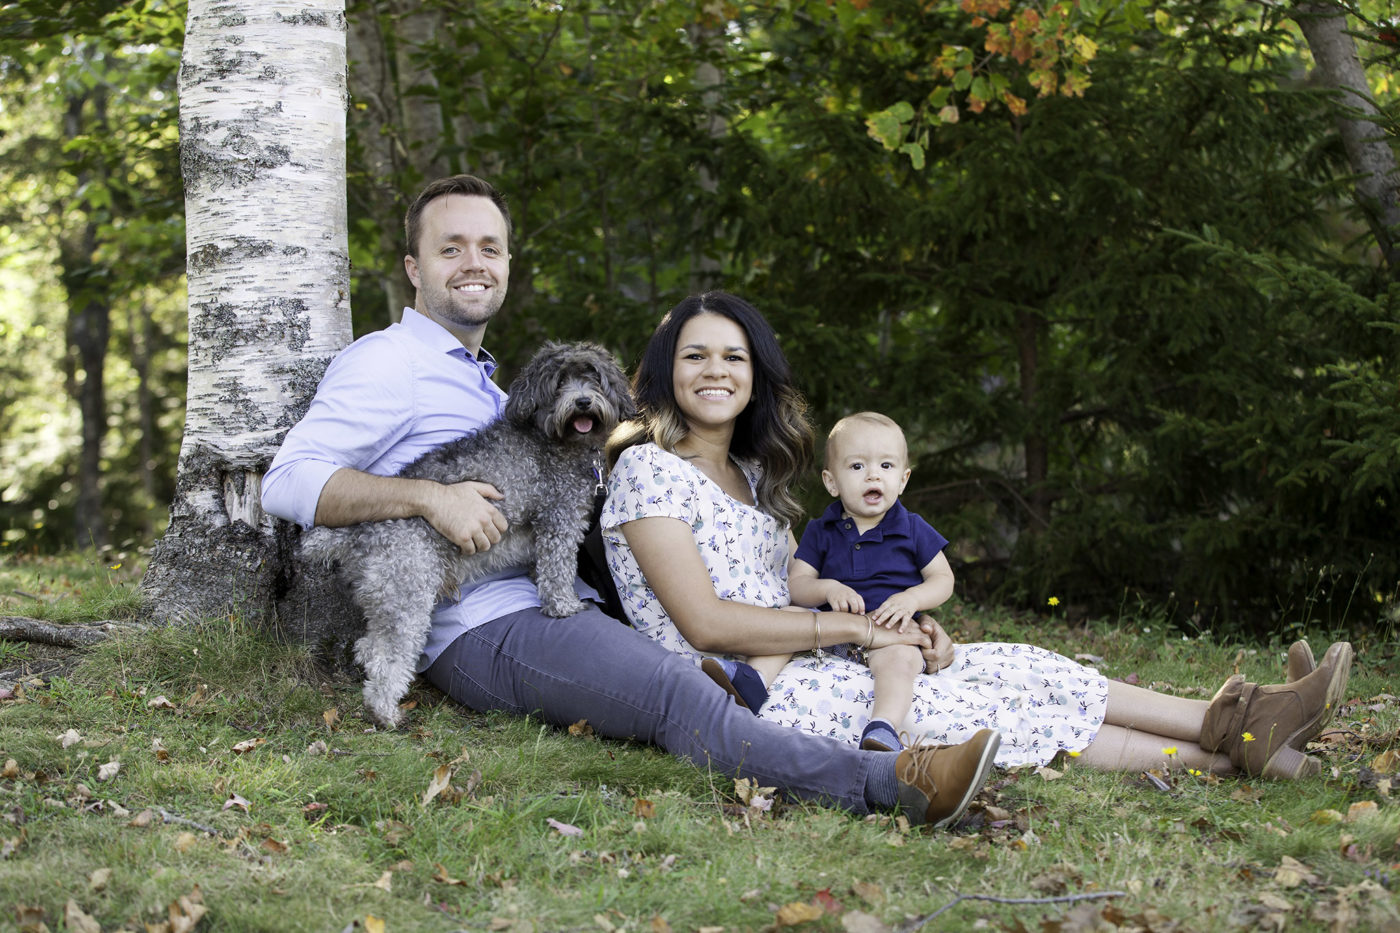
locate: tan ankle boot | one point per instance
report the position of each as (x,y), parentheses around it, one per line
(1300,661)
(1265,729)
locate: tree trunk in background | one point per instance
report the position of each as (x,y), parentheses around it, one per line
(139,331)
(262,148)
(1324,25)
(89,327)
(397,118)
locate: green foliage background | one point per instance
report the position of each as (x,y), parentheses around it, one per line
(1141,341)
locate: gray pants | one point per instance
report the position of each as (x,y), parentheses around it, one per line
(592,667)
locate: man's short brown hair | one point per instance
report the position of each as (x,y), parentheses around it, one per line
(452,184)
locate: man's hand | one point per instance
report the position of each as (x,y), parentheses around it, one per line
(897,611)
(462,514)
(941,654)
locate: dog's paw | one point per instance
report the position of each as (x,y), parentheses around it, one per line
(561,608)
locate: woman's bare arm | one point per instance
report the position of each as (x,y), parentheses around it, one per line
(669,559)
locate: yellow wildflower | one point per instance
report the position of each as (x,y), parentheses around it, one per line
(1074,754)
(1053,601)
(1248,736)
(1193,772)
(1169,750)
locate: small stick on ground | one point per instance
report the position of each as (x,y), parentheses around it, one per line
(1061,899)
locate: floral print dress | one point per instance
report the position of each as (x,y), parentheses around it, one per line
(1041,702)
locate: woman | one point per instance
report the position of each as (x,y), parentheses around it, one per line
(697,528)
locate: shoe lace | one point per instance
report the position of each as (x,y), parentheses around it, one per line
(919,771)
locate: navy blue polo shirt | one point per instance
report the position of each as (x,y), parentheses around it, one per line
(887,559)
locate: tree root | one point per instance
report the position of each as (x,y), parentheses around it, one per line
(18,628)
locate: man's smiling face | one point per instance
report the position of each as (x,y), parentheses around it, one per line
(462,266)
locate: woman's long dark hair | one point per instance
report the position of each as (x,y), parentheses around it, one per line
(773,431)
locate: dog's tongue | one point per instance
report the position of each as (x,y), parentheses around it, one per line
(583,424)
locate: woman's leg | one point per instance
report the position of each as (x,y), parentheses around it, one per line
(1119,748)
(1159,714)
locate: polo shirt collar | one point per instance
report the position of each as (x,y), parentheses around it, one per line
(427,331)
(895,522)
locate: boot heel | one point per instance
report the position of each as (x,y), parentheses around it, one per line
(1289,764)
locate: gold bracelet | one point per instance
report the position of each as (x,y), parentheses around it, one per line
(817,632)
(869,632)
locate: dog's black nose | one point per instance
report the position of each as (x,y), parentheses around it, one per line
(584,403)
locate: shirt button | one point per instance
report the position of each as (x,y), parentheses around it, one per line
(848,526)
(857,547)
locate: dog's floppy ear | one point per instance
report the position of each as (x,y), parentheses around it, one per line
(534,387)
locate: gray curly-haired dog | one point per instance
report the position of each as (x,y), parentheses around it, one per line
(545,456)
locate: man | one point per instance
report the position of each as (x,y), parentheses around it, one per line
(397,393)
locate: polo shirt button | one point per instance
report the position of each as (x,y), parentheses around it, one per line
(857,547)
(848,526)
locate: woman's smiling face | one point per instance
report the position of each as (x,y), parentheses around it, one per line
(712,374)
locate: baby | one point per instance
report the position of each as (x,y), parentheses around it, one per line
(867,553)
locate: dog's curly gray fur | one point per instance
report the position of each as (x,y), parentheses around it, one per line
(544,455)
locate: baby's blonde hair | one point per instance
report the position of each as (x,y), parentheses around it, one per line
(873,418)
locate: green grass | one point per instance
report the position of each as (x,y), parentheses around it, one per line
(315,822)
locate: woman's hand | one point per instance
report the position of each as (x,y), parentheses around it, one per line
(881,637)
(940,654)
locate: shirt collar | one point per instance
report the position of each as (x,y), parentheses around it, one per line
(427,331)
(895,522)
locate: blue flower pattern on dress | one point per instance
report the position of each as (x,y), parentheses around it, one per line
(1041,702)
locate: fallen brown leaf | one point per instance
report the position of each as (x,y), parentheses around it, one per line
(77,921)
(442,877)
(790,915)
(442,776)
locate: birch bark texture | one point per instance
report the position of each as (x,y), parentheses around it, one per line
(262,150)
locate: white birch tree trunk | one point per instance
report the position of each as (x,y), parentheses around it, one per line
(1324,25)
(262,148)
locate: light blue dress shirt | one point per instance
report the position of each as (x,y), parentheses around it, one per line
(387,399)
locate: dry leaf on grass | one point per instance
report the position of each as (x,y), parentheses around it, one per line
(77,921)
(71,737)
(858,921)
(247,745)
(236,801)
(99,879)
(442,877)
(790,915)
(183,914)
(109,770)
(442,776)
(160,702)
(581,729)
(1361,810)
